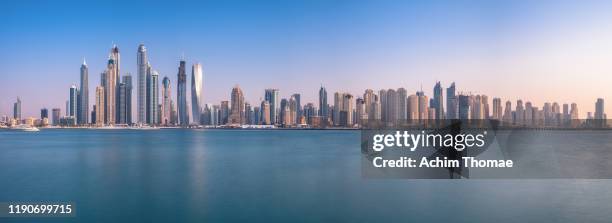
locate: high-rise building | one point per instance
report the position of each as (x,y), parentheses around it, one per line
(237,109)
(323,106)
(17,109)
(528,116)
(413,108)
(83,100)
(73,101)
(508,118)
(465,104)
(141,62)
(497,109)
(519,113)
(599,109)
(368,99)
(55,116)
(271,95)
(392,106)
(346,111)
(402,98)
(44,113)
(153,97)
(438,101)
(452,102)
(284,110)
(382,95)
(117,59)
(125,98)
(423,105)
(196,92)
(574,111)
(256,116)
(166,101)
(265,113)
(360,111)
(181,95)
(100,116)
(224,112)
(298,105)
(338,97)
(110,90)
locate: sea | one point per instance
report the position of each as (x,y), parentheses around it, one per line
(217,175)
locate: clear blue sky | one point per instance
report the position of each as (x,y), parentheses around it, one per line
(534,50)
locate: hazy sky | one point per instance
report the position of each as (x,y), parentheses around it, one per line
(533,50)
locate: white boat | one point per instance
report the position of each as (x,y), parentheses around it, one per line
(25,128)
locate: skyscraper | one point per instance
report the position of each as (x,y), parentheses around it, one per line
(465,104)
(298,105)
(599,109)
(402,98)
(73,101)
(346,110)
(384,111)
(55,116)
(323,106)
(110,90)
(125,95)
(44,113)
(497,109)
(393,104)
(153,98)
(83,100)
(117,58)
(17,109)
(237,109)
(224,112)
(183,113)
(423,105)
(338,97)
(452,102)
(438,101)
(100,116)
(265,113)
(141,63)
(508,118)
(272,97)
(368,99)
(196,92)
(166,101)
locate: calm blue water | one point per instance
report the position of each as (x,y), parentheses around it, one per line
(261,176)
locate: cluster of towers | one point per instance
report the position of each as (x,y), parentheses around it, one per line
(113,104)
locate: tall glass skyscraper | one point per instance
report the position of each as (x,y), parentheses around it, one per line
(110,89)
(166,102)
(183,113)
(126,99)
(272,97)
(196,92)
(323,106)
(17,109)
(73,101)
(153,98)
(141,62)
(452,103)
(237,109)
(117,59)
(438,101)
(83,101)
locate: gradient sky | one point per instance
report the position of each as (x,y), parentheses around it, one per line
(533,50)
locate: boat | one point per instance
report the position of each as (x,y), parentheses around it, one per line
(25,128)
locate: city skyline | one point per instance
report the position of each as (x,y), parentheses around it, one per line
(560,55)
